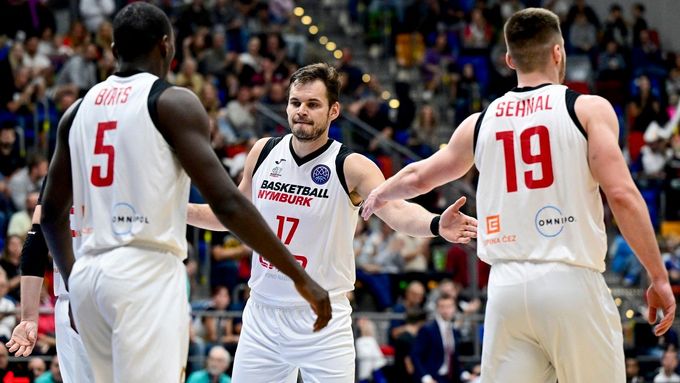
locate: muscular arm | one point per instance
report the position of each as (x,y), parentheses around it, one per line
(447,164)
(609,169)
(184,124)
(200,215)
(57,200)
(363,176)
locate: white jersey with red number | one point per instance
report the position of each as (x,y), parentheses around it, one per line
(129,189)
(306,203)
(537,199)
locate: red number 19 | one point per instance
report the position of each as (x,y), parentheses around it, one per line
(543,157)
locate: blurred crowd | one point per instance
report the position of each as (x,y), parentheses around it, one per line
(447,61)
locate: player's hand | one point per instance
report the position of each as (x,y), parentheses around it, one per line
(660,296)
(455,226)
(23,338)
(372,204)
(318,299)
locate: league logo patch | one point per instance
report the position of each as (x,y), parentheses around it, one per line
(321,174)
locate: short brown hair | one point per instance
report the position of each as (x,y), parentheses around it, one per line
(530,34)
(323,72)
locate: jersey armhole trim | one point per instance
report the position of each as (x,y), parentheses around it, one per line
(266,149)
(158,87)
(478,126)
(570,98)
(343,153)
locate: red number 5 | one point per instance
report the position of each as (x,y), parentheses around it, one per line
(100,148)
(543,157)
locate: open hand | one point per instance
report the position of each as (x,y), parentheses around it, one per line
(455,226)
(318,299)
(660,296)
(372,204)
(23,338)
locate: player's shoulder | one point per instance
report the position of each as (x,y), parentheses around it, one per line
(588,104)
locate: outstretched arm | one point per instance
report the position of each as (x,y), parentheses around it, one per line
(363,176)
(34,260)
(609,169)
(185,126)
(447,164)
(57,200)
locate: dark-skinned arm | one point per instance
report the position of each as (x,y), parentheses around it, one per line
(58,198)
(184,124)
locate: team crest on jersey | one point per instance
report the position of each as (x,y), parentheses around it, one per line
(276,172)
(321,174)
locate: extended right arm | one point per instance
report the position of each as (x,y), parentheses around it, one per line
(609,169)
(184,124)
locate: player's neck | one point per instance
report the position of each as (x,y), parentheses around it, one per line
(304,148)
(535,79)
(141,66)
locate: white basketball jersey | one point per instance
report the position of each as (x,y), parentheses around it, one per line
(306,203)
(537,199)
(129,189)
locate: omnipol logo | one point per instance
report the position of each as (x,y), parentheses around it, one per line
(124,218)
(550,221)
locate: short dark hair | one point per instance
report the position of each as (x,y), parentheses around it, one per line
(137,28)
(530,34)
(323,72)
(34,159)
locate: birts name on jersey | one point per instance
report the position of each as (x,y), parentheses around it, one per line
(112,96)
(290,193)
(523,108)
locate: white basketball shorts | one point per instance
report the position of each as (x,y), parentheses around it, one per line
(73,362)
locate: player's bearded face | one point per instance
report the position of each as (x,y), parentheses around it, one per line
(308,111)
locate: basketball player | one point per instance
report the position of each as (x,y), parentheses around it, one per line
(120,161)
(74,364)
(543,152)
(309,189)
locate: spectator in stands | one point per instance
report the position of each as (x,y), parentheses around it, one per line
(7,310)
(11,257)
(28,179)
(21,221)
(216,366)
(468,93)
(252,57)
(191,18)
(239,114)
(655,153)
(209,98)
(36,366)
(214,59)
(673,80)
(189,77)
(376,260)
(478,34)
(582,36)
(624,262)
(53,375)
(424,138)
(375,114)
(671,258)
(646,57)
(403,369)
(671,185)
(10,155)
(219,330)
(226,14)
(350,75)
(639,22)
(615,28)
(644,108)
(669,362)
(633,371)
(6,373)
(81,69)
(370,359)
(95,12)
(611,65)
(434,352)
(19,96)
(35,61)
(436,64)
(580,6)
(414,298)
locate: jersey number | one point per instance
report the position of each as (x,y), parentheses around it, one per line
(100,148)
(289,237)
(543,157)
